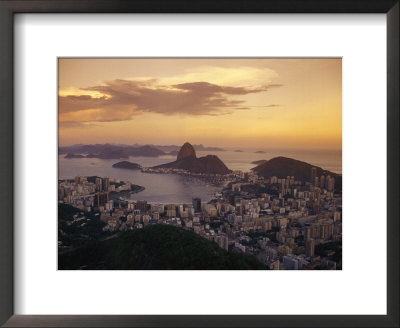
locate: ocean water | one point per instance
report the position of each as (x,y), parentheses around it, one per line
(171,188)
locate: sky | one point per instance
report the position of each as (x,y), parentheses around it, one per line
(287,103)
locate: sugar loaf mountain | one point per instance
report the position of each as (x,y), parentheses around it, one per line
(187,160)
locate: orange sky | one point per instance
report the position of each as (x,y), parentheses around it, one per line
(269,103)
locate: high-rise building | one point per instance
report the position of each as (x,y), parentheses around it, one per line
(141,205)
(322,181)
(313,174)
(307,233)
(316,208)
(99,185)
(171,210)
(331,184)
(310,247)
(328,177)
(106,184)
(109,205)
(336,216)
(196,204)
(326,230)
(100,199)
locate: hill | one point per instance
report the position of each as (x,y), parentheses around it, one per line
(187,160)
(127,165)
(69,155)
(284,166)
(157,247)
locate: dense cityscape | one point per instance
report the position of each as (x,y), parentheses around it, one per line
(288,224)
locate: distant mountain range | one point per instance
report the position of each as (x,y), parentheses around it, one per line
(157,247)
(202,148)
(69,155)
(284,166)
(187,160)
(111,151)
(261,161)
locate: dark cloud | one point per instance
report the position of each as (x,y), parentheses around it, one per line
(77,103)
(125,98)
(208,88)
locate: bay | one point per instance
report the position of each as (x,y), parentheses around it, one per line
(177,189)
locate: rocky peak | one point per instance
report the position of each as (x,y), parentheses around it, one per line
(186,150)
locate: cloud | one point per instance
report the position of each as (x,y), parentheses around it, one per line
(120,100)
(251,107)
(209,88)
(233,76)
(72,124)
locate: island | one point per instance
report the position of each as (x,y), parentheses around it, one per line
(127,165)
(188,161)
(69,155)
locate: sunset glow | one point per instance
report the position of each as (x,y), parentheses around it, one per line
(276,103)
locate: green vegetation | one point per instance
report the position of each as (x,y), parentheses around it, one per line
(156,247)
(324,249)
(66,212)
(76,232)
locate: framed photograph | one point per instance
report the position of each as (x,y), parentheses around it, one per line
(213,164)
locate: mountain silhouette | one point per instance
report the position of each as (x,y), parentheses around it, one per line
(187,160)
(282,167)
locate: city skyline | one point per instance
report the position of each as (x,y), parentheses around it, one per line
(277,103)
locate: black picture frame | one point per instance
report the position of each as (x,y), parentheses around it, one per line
(10,7)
